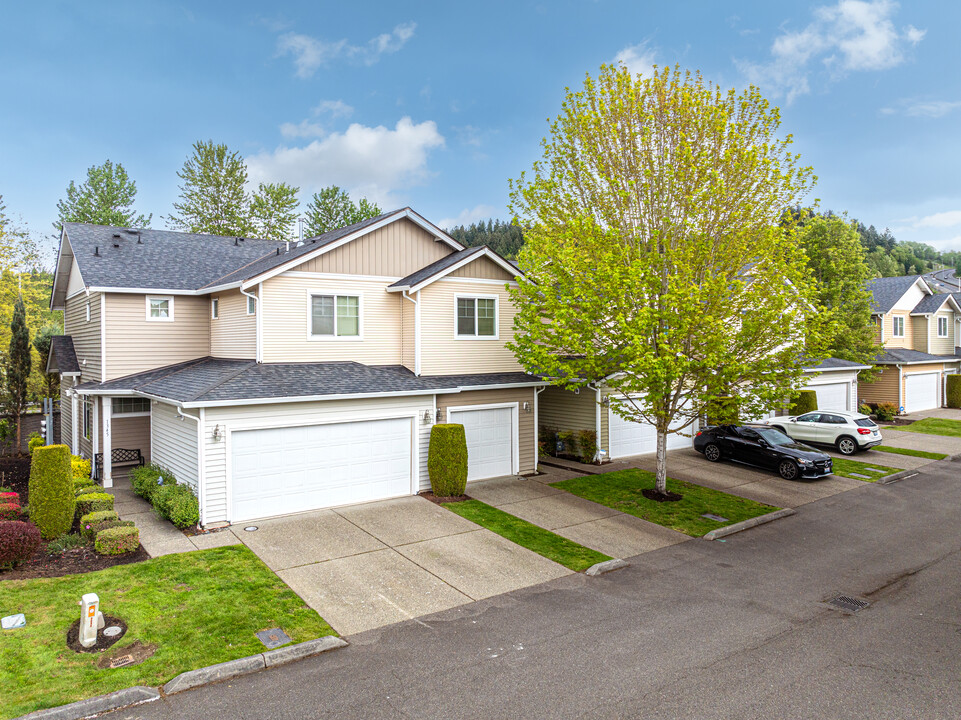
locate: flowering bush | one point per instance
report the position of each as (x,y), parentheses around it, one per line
(117,540)
(10,511)
(10,497)
(79,467)
(89,522)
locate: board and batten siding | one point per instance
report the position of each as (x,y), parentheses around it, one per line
(233,333)
(286,308)
(173,443)
(483,267)
(441,352)
(394,251)
(85,334)
(251,417)
(945,345)
(135,344)
(882,390)
(132,433)
(526,432)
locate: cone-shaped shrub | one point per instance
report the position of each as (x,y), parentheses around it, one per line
(447,460)
(954,391)
(51,491)
(805,402)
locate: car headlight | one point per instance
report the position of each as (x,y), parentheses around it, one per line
(802,461)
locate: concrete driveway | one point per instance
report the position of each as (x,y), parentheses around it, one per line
(365,566)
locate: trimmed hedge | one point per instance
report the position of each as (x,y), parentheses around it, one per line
(178,504)
(34,443)
(117,540)
(10,511)
(146,479)
(722,410)
(953,393)
(93,523)
(805,402)
(18,542)
(51,491)
(80,483)
(79,467)
(99,515)
(92,502)
(87,489)
(447,460)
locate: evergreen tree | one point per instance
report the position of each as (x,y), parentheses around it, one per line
(504,238)
(213,196)
(41,343)
(18,362)
(106,197)
(332,208)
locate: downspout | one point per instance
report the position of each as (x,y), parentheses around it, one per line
(900,386)
(416,330)
(259,352)
(537,427)
(201,485)
(597,420)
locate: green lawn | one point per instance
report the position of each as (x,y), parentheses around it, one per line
(554,547)
(934,426)
(913,453)
(847,468)
(621,490)
(198,608)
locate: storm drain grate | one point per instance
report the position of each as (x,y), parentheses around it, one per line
(845,602)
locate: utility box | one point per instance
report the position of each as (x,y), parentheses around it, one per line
(91,619)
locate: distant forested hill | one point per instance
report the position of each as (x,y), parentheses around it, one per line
(502,237)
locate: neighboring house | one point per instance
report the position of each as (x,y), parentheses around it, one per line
(921,331)
(276,378)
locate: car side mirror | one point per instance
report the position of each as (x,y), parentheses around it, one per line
(762,442)
(793,419)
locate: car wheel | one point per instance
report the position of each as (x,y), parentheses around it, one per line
(847,445)
(788,470)
(712,452)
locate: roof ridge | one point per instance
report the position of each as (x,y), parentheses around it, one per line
(213,283)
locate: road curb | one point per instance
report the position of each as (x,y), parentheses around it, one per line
(127,697)
(605,567)
(747,524)
(894,477)
(284,655)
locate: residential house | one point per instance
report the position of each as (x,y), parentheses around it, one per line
(921,332)
(276,378)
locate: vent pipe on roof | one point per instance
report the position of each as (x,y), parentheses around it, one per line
(96,251)
(300,231)
(236,242)
(139,239)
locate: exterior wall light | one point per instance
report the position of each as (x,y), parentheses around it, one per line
(427,417)
(216,434)
(527,407)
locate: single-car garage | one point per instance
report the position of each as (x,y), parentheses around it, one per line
(922,391)
(277,471)
(833,396)
(631,438)
(492,442)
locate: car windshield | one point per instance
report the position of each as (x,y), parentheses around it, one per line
(865,422)
(774,437)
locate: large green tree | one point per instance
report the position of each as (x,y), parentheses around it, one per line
(17,366)
(503,237)
(332,208)
(106,197)
(273,211)
(654,258)
(213,193)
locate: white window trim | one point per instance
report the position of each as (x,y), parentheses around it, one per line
(88,311)
(251,300)
(497,316)
(170,308)
(215,308)
(86,428)
(335,337)
(942,318)
(894,326)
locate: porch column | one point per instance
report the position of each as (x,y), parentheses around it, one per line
(107,416)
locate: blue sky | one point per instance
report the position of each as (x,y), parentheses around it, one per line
(436,105)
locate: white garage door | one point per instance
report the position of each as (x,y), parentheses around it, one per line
(490,441)
(922,392)
(630,438)
(832,397)
(286,470)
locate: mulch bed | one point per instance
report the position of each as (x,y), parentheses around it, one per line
(15,474)
(75,560)
(661,497)
(427,494)
(103,641)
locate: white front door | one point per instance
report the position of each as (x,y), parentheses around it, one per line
(835,396)
(491,441)
(922,392)
(278,471)
(631,438)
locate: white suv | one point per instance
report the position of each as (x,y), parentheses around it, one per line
(847,431)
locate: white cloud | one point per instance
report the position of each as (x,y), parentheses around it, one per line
(374,162)
(303,129)
(923,108)
(951,218)
(310,53)
(470,215)
(637,59)
(334,108)
(852,36)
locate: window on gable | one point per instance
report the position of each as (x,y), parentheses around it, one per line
(898,326)
(215,308)
(335,316)
(251,305)
(942,327)
(88,312)
(476,317)
(129,405)
(160,308)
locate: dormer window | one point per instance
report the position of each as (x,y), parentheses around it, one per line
(160,308)
(942,327)
(898,326)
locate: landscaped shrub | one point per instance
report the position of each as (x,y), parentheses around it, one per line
(66,542)
(87,489)
(146,479)
(178,504)
(33,443)
(885,411)
(117,540)
(567,442)
(10,511)
(9,496)
(805,402)
(80,483)
(953,393)
(447,459)
(51,491)
(18,542)
(92,502)
(587,442)
(79,467)
(89,522)
(91,532)
(865,409)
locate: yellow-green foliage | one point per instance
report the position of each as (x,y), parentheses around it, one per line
(93,502)
(117,540)
(34,443)
(51,491)
(954,391)
(79,467)
(805,402)
(447,460)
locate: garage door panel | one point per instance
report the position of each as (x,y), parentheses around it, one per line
(922,392)
(832,396)
(490,441)
(630,438)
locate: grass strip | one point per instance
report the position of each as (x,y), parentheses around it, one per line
(934,426)
(851,468)
(913,453)
(196,608)
(566,552)
(621,490)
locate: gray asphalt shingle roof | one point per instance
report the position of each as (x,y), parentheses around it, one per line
(902,355)
(831,364)
(436,267)
(887,291)
(931,303)
(61,350)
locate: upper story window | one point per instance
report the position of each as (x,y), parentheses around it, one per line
(476,317)
(335,316)
(214,308)
(898,326)
(251,305)
(130,406)
(160,308)
(942,327)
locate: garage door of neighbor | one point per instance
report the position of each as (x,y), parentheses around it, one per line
(278,471)
(490,441)
(922,392)
(630,438)
(832,397)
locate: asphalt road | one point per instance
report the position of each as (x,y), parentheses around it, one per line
(945,280)
(734,629)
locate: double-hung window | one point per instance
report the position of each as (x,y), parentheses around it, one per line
(87,419)
(334,316)
(476,317)
(898,326)
(160,308)
(942,327)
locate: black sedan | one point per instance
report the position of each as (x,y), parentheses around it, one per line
(765,447)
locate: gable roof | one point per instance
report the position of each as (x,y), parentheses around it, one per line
(446,265)
(933,303)
(887,291)
(904,356)
(829,364)
(62,357)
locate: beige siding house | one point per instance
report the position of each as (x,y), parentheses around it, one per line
(275,378)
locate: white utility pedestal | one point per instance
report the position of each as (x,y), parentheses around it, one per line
(91,619)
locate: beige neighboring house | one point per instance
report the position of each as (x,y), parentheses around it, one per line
(921,332)
(277,378)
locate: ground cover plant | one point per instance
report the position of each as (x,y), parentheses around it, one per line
(623,490)
(851,468)
(566,552)
(908,451)
(194,609)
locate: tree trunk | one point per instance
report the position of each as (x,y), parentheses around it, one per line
(17,446)
(660,482)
